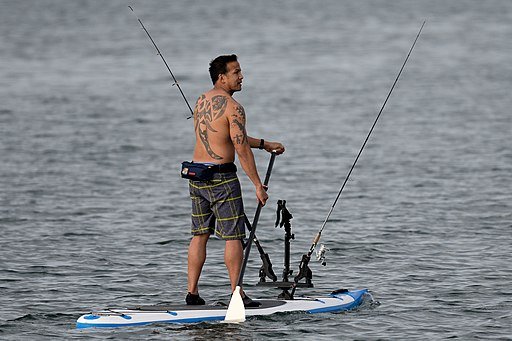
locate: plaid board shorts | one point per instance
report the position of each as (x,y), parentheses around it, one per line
(218,200)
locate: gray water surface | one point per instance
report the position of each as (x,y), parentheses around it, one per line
(93,213)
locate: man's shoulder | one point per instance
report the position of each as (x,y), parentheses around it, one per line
(214,93)
(235,110)
(220,103)
(220,97)
(235,103)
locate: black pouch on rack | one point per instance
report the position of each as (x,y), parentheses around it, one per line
(196,171)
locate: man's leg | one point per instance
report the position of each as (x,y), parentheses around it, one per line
(196,259)
(233,257)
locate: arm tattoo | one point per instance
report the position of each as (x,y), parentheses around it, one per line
(240,111)
(204,114)
(240,138)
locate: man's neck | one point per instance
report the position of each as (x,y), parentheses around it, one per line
(221,88)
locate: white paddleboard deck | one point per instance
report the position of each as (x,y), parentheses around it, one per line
(179,313)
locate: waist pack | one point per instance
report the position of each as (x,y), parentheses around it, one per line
(204,172)
(196,171)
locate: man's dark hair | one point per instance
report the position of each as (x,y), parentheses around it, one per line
(218,66)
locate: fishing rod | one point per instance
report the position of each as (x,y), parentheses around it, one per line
(304,271)
(165,62)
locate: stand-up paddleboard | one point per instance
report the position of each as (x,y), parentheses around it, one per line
(337,301)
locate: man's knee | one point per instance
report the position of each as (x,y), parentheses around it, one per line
(200,238)
(234,243)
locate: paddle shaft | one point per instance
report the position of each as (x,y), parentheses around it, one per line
(255,223)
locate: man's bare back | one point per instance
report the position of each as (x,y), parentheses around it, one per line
(218,117)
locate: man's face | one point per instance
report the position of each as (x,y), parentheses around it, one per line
(233,77)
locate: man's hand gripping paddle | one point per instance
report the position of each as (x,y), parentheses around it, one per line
(236,308)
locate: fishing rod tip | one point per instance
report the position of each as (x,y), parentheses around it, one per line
(130,7)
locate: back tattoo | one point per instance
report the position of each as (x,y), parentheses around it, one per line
(205,113)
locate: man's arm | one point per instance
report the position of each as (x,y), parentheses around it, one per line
(267,145)
(238,134)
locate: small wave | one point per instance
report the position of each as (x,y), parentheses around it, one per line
(128,148)
(165,242)
(81,234)
(13,220)
(47,316)
(27,317)
(55,100)
(142,121)
(8,280)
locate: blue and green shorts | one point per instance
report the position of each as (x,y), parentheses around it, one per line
(218,200)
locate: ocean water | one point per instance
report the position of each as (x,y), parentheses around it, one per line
(93,213)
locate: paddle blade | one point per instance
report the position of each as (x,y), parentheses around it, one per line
(236,308)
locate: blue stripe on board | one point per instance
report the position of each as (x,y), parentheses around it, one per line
(356,295)
(114,325)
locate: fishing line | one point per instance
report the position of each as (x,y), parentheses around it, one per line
(306,258)
(165,62)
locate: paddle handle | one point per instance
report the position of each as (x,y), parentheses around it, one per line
(255,222)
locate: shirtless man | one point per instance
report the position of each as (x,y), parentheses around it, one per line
(219,123)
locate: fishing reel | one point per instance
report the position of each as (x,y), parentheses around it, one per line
(320,254)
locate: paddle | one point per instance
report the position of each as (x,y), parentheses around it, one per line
(236,308)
